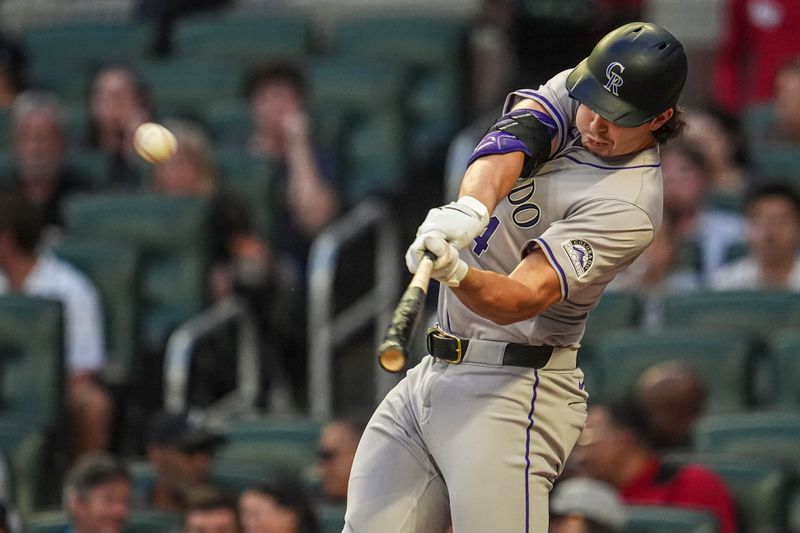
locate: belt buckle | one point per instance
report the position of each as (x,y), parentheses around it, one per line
(437,330)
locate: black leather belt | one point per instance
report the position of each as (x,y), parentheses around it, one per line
(452,349)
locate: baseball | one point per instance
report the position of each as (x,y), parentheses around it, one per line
(154,142)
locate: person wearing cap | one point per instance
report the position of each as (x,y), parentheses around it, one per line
(583,505)
(181,450)
(560,195)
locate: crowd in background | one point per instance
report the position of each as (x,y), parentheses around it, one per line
(727,226)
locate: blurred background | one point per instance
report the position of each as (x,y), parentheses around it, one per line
(196,338)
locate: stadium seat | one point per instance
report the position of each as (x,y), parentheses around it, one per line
(331,517)
(761,313)
(786,351)
(245,40)
(91,167)
(369,95)
(283,446)
(169,233)
(657,519)
(5,129)
(721,361)
(31,340)
(763,435)
(7,169)
(433,51)
(187,88)
(250,179)
(760,488)
(113,267)
(139,521)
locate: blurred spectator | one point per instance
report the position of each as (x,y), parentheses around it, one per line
(25,270)
(773,241)
(12,64)
(242,261)
(784,130)
(306,200)
(276,509)
(119,102)
(181,451)
(96,494)
(686,182)
(673,399)
(40,149)
(493,55)
(210,512)
(759,36)
(718,136)
(583,505)
(615,447)
(335,452)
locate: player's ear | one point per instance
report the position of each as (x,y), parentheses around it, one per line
(661,119)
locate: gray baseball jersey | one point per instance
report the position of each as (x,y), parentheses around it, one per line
(481,442)
(592,217)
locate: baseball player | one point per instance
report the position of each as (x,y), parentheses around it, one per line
(562,193)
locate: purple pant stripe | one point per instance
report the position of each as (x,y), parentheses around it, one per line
(528,452)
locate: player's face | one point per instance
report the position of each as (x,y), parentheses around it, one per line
(606,139)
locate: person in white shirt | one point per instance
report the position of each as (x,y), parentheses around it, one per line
(773,241)
(25,270)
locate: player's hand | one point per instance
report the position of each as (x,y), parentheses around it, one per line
(448,267)
(458,222)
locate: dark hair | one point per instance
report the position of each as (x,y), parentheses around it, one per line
(356,423)
(209,499)
(263,75)
(782,190)
(140,87)
(12,61)
(626,413)
(732,127)
(691,153)
(289,495)
(91,471)
(22,219)
(671,128)
(791,65)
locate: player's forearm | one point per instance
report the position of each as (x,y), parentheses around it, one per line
(490,178)
(499,298)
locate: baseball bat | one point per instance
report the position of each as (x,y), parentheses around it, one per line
(393,351)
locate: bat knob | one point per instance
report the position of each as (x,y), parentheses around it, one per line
(392,359)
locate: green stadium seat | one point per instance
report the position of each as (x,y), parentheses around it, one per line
(760,313)
(249,179)
(657,519)
(433,51)
(764,435)
(8,169)
(140,521)
(5,129)
(91,167)
(188,88)
(244,40)
(786,351)
(721,360)
(284,446)
(169,233)
(113,267)
(760,488)
(372,143)
(89,43)
(331,517)
(31,339)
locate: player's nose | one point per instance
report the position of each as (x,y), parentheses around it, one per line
(598,123)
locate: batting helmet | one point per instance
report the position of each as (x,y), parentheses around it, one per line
(633,74)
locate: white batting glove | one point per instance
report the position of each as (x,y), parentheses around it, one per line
(448,267)
(459,222)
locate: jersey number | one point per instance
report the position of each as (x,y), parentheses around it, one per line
(482,240)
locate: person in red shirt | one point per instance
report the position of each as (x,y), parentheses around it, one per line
(758,37)
(615,448)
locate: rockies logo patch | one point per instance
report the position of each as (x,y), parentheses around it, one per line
(580,255)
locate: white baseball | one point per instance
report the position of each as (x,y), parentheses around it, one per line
(154,142)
